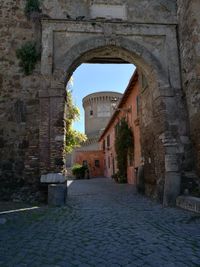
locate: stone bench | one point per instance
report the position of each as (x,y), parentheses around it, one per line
(53,178)
(57,188)
(189,203)
(57,194)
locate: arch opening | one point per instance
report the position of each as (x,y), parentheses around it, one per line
(150,143)
(154,122)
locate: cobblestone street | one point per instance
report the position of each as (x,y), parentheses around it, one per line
(103,224)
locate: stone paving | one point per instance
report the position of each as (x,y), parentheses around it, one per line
(103,224)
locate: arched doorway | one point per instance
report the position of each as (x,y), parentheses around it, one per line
(162,123)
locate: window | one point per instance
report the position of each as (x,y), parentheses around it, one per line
(104,145)
(96,163)
(85,163)
(109,162)
(91,112)
(108,141)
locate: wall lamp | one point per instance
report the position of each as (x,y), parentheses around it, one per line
(113,105)
(128,110)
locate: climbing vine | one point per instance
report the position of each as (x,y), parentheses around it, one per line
(32,6)
(28,57)
(123,147)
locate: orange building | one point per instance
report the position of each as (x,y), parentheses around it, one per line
(93,159)
(128,109)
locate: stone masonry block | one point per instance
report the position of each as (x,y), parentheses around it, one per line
(188,203)
(50,178)
(57,194)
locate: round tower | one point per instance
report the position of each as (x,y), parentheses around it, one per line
(98,109)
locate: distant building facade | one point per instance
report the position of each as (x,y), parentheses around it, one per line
(98,109)
(128,108)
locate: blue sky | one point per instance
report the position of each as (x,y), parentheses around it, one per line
(91,78)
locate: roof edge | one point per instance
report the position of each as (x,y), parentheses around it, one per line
(132,81)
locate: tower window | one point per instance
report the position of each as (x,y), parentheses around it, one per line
(91,112)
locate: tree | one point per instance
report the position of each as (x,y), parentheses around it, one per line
(73,138)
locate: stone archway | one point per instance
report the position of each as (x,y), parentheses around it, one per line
(153,49)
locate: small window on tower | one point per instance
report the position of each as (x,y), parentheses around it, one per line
(91,112)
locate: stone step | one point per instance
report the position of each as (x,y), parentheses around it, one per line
(188,203)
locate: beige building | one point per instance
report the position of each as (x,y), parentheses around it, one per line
(98,109)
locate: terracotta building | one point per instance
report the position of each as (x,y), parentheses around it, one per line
(128,108)
(94,160)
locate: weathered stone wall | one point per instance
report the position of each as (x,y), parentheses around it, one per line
(151,127)
(19,103)
(136,11)
(189,35)
(141,32)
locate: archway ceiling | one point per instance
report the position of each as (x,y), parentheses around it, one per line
(107,60)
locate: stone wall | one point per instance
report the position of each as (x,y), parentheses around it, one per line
(189,35)
(32,107)
(152,126)
(135,11)
(19,103)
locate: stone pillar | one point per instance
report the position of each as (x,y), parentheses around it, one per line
(172,127)
(52,103)
(173,140)
(44,133)
(57,131)
(172,172)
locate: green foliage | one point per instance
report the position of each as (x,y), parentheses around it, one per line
(28,57)
(32,6)
(196,191)
(72,111)
(79,171)
(122,179)
(123,146)
(73,138)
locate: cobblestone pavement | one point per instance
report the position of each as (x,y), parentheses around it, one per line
(103,224)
